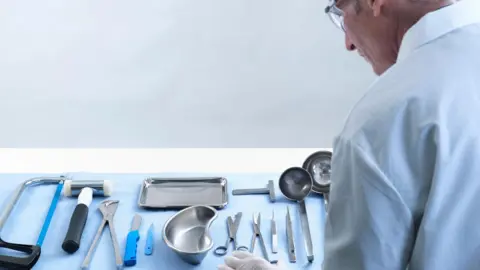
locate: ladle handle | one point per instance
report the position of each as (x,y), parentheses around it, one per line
(306,230)
(326,198)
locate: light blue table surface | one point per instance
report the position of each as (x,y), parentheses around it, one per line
(26,220)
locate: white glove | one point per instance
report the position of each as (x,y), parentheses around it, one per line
(241,260)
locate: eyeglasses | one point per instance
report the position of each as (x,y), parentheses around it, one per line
(335,14)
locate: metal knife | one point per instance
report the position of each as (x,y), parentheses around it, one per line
(133,236)
(290,239)
(274,233)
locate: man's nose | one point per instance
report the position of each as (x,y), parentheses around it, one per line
(349,44)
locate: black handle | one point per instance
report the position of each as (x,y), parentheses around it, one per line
(22,262)
(75,229)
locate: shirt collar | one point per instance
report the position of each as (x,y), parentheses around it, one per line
(438,23)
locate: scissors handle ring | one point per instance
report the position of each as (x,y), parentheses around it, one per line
(221,250)
(242,248)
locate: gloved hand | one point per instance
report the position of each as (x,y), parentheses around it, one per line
(241,260)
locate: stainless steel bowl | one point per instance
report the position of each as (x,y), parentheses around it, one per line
(295,183)
(318,165)
(187,233)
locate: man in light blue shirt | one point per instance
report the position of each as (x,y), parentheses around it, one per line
(405,189)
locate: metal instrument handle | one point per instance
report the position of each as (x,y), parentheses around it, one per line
(264,248)
(274,235)
(306,230)
(250,191)
(88,258)
(116,247)
(242,248)
(19,190)
(326,198)
(252,242)
(222,250)
(274,243)
(235,247)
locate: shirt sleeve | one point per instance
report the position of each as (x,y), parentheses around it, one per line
(368,225)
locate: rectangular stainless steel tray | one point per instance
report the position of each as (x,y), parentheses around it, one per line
(177,192)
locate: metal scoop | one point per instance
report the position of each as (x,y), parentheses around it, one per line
(318,165)
(295,184)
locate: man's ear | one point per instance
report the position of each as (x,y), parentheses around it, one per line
(376,6)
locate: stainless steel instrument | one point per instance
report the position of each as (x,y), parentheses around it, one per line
(270,190)
(187,233)
(183,192)
(290,238)
(232,236)
(258,233)
(31,252)
(296,184)
(318,165)
(85,190)
(274,233)
(108,209)
(101,188)
(130,255)
(307,237)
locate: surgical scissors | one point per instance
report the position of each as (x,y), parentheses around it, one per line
(232,236)
(257,233)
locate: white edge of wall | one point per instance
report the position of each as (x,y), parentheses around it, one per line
(182,160)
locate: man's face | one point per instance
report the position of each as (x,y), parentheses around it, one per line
(372,36)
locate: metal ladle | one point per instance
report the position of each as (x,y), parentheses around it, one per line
(296,184)
(318,164)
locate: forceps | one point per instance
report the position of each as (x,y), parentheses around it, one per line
(257,233)
(232,236)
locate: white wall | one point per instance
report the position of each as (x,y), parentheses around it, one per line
(173,73)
